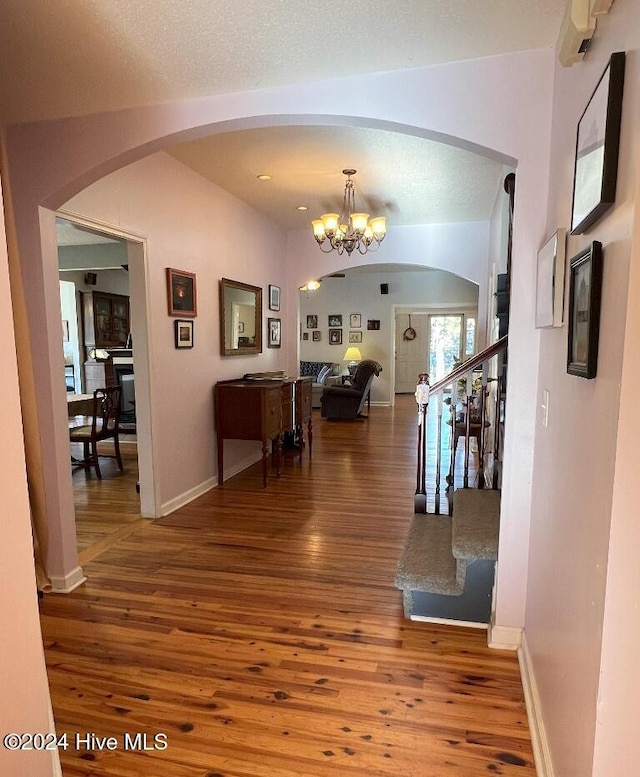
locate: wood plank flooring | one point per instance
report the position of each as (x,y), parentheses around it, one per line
(260,631)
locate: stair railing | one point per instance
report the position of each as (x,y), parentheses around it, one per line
(481,417)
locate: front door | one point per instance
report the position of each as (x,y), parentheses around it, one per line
(411,353)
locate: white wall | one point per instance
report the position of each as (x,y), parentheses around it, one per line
(25,694)
(189,224)
(584,474)
(359,292)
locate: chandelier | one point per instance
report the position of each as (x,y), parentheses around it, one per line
(347,231)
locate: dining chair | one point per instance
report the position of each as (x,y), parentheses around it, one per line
(104,425)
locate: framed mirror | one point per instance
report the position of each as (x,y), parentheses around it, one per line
(240,318)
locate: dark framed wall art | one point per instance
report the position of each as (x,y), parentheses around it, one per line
(598,138)
(183,334)
(585,293)
(181,293)
(274,326)
(274,297)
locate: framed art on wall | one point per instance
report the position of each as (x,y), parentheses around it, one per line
(335,336)
(274,297)
(317,336)
(355,337)
(183,331)
(550,281)
(312,322)
(181,293)
(585,292)
(355,320)
(275,329)
(335,319)
(598,138)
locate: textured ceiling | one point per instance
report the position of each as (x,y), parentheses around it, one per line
(73,57)
(408,179)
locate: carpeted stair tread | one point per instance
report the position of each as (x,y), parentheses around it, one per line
(427,563)
(476,523)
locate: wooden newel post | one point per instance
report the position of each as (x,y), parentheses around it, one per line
(422,399)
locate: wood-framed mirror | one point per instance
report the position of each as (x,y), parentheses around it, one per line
(240,318)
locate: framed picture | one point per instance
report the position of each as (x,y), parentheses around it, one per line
(335,337)
(181,293)
(355,337)
(355,320)
(183,333)
(596,163)
(305,335)
(550,281)
(317,336)
(274,297)
(312,322)
(585,292)
(335,320)
(275,330)
(373,323)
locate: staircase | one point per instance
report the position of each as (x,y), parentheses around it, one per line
(446,569)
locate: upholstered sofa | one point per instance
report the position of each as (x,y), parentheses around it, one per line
(323,373)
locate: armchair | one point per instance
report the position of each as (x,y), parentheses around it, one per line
(348,401)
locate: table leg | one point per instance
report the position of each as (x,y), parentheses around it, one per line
(310,435)
(220,466)
(265,455)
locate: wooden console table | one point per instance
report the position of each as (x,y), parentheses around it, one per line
(261,410)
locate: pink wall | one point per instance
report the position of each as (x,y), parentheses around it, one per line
(500,104)
(189,224)
(581,507)
(25,694)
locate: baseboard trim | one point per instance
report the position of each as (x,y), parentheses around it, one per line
(188,496)
(67,583)
(449,622)
(504,637)
(539,741)
(193,493)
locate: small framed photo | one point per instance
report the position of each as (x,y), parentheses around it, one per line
(274,297)
(317,336)
(355,320)
(355,337)
(305,335)
(335,320)
(550,281)
(240,327)
(181,293)
(183,334)
(335,337)
(373,323)
(312,322)
(274,326)
(598,139)
(585,292)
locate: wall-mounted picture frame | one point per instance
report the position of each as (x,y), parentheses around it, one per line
(305,335)
(585,292)
(274,328)
(335,337)
(181,293)
(355,320)
(355,337)
(373,323)
(550,281)
(183,331)
(316,336)
(274,297)
(598,139)
(335,319)
(312,322)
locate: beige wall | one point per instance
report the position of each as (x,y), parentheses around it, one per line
(580,599)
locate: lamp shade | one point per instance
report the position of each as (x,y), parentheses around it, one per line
(352,354)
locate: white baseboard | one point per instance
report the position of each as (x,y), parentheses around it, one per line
(448,622)
(67,583)
(540,744)
(193,493)
(504,637)
(188,496)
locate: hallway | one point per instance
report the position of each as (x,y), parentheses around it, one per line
(260,630)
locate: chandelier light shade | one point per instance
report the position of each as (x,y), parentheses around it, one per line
(349,230)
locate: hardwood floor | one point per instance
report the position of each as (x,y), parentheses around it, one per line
(260,631)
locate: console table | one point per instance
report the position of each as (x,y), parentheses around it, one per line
(261,410)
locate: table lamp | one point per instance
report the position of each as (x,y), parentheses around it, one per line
(353,356)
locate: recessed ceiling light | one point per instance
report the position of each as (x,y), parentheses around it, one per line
(302,207)
(264,177)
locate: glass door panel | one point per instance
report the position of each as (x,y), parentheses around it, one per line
(445,344)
